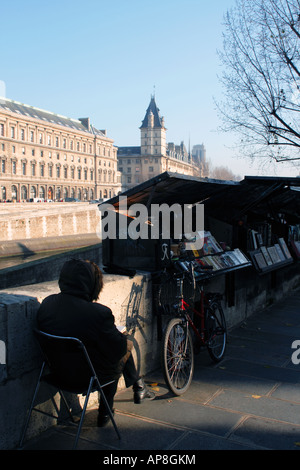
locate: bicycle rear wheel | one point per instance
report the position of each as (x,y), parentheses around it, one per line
(177,356)
(216,331)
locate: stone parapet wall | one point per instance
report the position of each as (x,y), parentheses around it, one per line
(43,220)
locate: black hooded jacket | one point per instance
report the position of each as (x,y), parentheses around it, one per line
(72,313)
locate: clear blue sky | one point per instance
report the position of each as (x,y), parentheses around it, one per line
(101,59)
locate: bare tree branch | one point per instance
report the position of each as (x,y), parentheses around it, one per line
(261,77)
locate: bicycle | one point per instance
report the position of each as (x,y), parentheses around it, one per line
(190,328)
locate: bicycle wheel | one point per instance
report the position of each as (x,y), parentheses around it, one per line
(216,332)
(177,356)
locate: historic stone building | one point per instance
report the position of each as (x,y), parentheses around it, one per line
(154,155)
(199,159)
(48,156)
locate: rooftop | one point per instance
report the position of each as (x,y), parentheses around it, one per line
(152,108)
(47,116)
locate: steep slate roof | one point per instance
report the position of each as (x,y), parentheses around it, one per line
(36,113)
(154,109)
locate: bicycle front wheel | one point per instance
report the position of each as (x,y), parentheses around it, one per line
(177,356)
(216,331)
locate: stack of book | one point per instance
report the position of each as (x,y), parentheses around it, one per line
(225,260)
(212,255)
(260,237)
(208,245)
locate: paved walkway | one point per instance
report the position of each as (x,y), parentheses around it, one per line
(251,400)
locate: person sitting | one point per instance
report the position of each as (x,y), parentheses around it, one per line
(74,312)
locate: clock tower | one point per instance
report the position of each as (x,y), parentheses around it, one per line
(153,132)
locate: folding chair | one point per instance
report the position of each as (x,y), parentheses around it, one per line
(78,377)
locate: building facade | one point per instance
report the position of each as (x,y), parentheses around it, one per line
(154,155)
(52,157)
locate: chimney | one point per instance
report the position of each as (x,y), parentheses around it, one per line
(85,122)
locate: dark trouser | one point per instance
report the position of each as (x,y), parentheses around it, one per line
(130,376)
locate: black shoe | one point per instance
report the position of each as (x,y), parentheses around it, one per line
(141,392)
(102,420)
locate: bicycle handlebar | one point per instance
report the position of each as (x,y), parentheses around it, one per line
(181,270)
(187,270)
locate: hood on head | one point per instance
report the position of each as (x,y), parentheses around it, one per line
(77,278)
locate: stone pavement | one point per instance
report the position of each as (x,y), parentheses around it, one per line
(251,400)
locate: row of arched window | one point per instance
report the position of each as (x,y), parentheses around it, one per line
(51,193)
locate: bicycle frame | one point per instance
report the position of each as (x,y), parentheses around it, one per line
(184,307)
(178,349)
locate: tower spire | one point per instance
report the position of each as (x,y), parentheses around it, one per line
(153,131)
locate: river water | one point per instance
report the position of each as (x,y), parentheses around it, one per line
(17,260)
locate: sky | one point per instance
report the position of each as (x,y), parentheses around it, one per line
(104,59)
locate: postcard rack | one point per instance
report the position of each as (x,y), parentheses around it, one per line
(266,259)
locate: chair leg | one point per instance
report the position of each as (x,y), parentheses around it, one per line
(66,404)
(83,413)
(103,397)
(31,406)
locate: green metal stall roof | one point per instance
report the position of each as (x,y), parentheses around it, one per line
(227,200)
